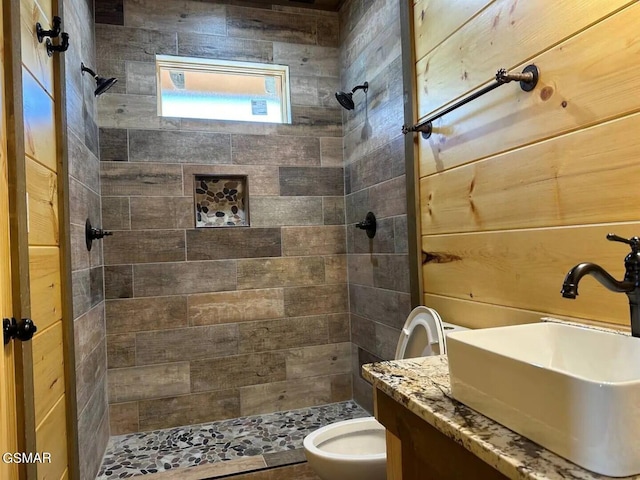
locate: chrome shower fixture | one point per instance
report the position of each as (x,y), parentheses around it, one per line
(346,99)
(102,84)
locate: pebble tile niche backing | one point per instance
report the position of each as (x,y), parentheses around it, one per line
(221,201)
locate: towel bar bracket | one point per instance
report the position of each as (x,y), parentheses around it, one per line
(528,78)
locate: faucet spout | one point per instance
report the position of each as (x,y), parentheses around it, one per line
(630,284)
(570,285)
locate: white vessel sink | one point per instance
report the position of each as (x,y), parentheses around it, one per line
(575,391)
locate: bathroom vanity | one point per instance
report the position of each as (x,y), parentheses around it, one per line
(430,436)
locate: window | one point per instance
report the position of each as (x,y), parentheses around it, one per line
(222,90)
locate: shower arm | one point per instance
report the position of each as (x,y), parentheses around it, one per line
(88,70)
(528,79)
(364,86)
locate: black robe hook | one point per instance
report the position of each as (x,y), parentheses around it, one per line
(53,33)
(62,47)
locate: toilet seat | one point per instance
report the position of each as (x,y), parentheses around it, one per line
(422,335)
(339,437)
(348,450)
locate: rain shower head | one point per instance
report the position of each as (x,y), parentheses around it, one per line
(346,98)
(102,84)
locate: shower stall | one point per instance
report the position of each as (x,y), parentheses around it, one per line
(233,342)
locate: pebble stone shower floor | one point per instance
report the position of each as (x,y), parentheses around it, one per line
(195,445)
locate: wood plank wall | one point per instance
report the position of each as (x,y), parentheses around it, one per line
(42,167)
(517,187)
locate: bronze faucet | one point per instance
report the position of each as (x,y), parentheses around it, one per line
(629,285)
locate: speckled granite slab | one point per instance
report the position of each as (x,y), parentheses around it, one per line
(422,385)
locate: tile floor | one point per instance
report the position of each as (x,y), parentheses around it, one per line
(221,448)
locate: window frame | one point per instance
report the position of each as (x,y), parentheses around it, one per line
(196,64)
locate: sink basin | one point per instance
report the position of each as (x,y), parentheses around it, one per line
(573,390)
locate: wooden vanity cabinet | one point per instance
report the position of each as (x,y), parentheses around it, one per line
(417,451)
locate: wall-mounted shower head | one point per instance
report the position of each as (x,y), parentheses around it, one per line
(102,84)
(346,98)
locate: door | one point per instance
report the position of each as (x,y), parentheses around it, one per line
(8,421)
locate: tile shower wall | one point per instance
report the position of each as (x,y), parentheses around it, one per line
(375,181)
(87,268)
(213,323)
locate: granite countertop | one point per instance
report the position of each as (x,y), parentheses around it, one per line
(422,385)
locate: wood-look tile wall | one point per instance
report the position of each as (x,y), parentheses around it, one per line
(87,268)
(216,323)
(374,176)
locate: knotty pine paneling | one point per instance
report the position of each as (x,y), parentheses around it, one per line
(540,185)
(39,122)
(45,6)
(525,268)
(48,369)
(580,85)
(435,20)
(504,35)
(481,315)
(34,53)
(50,437)
(45,285)
(470,314)
(516,188)
(42,188)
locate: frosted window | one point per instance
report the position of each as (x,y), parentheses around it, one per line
(222,90)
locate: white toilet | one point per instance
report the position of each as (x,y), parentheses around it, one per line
(356,449)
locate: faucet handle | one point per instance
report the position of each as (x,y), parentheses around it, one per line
(634,242)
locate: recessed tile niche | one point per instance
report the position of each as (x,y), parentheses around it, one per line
(221,201)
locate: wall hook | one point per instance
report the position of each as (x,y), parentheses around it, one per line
(368,225)
(53,33)
(91,234)
(64,44)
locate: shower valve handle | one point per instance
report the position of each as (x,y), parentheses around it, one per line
(368,225)
(91,234)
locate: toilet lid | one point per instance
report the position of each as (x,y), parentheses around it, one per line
(422,335)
